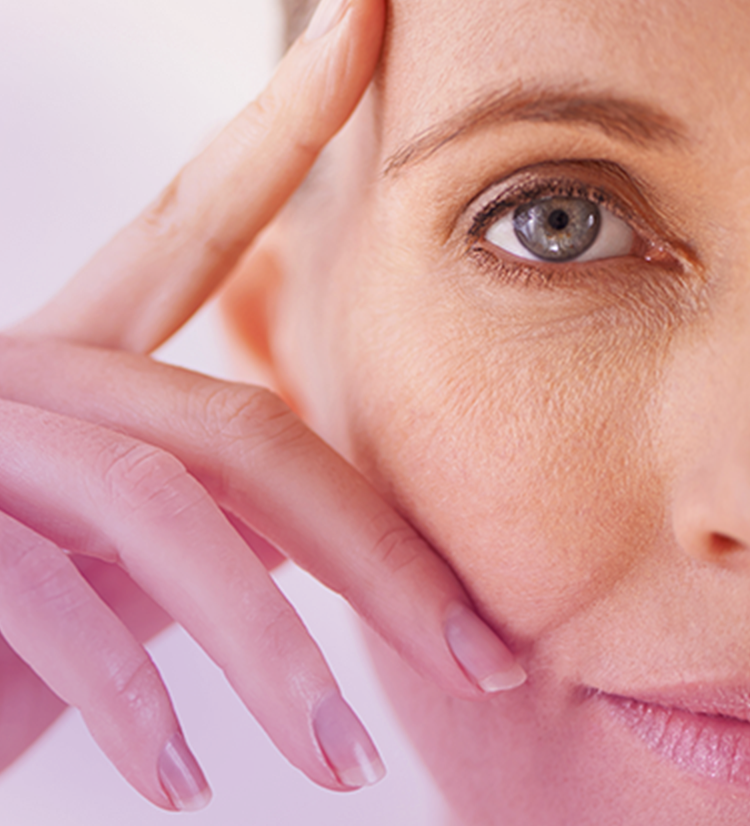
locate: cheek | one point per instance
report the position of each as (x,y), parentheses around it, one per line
(521,453)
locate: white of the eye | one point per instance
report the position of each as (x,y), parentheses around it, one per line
(615,238)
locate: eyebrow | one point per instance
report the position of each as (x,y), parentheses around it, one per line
(630,120)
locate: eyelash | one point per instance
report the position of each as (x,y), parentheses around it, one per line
(529,272)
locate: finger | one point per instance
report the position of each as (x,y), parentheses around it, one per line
(27,706)
(108,495)
(156,272)
(143,617)
(55,622)
(262,548)
(260,462)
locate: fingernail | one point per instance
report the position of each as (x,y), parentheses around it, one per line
(347,746)
(181,776)
(327,15)
(480,653)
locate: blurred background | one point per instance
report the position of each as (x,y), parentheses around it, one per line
(100,104)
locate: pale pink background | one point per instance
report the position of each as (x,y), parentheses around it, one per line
(101,101)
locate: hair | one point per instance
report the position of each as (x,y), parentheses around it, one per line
(297,14)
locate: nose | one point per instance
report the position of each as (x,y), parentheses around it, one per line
(711,509)
(709,414)
(711,495)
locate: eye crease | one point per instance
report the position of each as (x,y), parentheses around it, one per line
(561,229)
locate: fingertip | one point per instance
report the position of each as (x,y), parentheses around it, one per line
(181,776)
(504,680)
(343,39)
(348,749)
(482,655)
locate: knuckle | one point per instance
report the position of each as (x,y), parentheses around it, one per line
(133,680)
(142,477)
(281,639)
(397,548)
(261,123)
(34,573)
(251,416)
(227,410)
(273,115)
(175,221)
(44,581)
(162,218)
(306,142)
(258,118)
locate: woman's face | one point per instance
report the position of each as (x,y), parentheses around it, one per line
(573,436)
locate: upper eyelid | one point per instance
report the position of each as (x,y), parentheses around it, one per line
(509,200)
(594,175)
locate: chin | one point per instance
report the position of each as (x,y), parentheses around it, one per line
(551,754)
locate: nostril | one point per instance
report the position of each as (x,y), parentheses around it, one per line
(710,511)
(720,543)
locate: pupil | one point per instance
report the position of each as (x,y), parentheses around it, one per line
(558,219)
(557,228)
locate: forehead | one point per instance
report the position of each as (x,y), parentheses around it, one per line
(689,58)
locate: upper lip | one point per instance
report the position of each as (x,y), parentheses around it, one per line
(696,698)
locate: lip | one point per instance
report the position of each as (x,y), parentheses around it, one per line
(703,729)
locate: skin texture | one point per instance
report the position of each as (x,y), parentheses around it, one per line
(573,439)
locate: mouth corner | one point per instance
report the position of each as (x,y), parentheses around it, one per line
(702,729)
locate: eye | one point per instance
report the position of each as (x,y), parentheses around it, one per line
(561,229)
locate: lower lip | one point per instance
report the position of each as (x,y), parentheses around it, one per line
(704,744)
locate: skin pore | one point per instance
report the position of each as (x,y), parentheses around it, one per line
(572,437)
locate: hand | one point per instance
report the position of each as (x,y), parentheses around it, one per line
(160,471)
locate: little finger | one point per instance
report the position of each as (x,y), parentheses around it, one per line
(56,623)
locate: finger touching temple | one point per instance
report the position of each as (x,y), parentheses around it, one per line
(155,273)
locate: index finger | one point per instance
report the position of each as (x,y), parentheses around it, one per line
(154,274)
